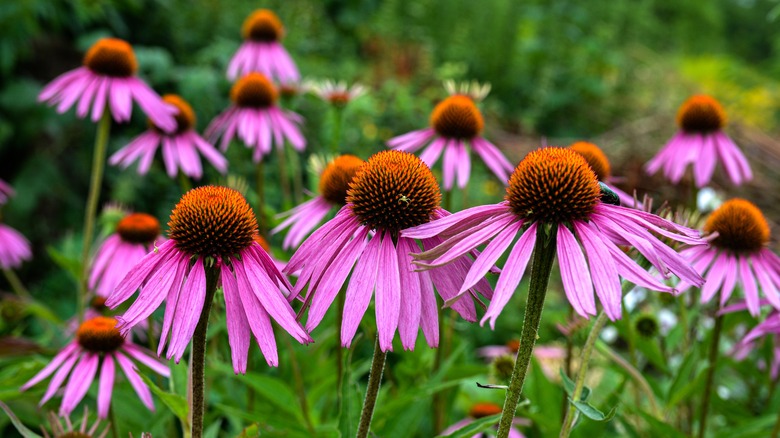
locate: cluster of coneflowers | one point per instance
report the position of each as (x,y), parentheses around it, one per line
(388,237)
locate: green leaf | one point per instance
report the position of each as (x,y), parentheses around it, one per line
(276,391)
(475,427)
(176,403)
(69,264)
(594,414)
(683,377)
(569,386)
(349,399)
(21,428)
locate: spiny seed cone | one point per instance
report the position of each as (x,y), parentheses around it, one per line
(595,157)
(457,117)
(138,228)
(647,326)
(212,221)
(99,335)
(392,191)
(185,116)
(701,114)
(741,227)
(335,179)
(262,26)
(486,409)
(254,90)
(553,185)
(111,57)
(513,345)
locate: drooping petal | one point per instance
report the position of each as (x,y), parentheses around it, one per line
(411,295)
(237,324)
(106,386)
(387,300)
(79,383)
(360,289)
(577,283)
(602,269)
(188,309)
(135,381)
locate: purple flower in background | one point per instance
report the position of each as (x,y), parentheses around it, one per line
(737,255)
(262,50)
(392,191)
(107,81)
(180,148)
(14,248)
(98,345)
(599,163)
(6,192)
(456,122)
(702,143)
(211,227)
(256,118)
(334,182)
(135,236)
(555,187)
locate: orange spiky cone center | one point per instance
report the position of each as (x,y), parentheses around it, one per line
(212,221)
(553,185)
(484,409)
(254,90)
(595,157)
(335,179)
(457,117)
(262,25)
(701,114)
(99,335)
(741,227)
(111,57)
(392,191)
(138,228)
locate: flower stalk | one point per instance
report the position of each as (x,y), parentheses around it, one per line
(579,384)
(374,380)
(198,362)
(544,255)
(98,163)
(712,365)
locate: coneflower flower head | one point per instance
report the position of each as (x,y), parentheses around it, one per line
(454,123)
(135,236)
(391,191)
(6,192)
(738,254)
(333,185)
(98,345)
(256,118)
(599,163)
(262,50)
(701,142)
(68,431)
(211,228)
(179,148)
(556,187)
(338,94)
(107,81)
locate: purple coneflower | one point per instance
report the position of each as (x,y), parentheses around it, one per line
(14,248)
(135,236)
(68,431)
(262,51)
(107,79)
(211,228)
(455,123)
(599,163)
(392,191)
(256,119)
(98,344)
(701,142)
(482,410)
(555,187)
(768,327)
(737,255)
(179,148)
(334,182)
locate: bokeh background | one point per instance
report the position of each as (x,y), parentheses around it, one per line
(612,72)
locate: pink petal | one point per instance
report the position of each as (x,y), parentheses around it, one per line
(574,273)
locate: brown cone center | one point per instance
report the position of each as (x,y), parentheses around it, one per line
(741,227)
(701,114)
(111,57)
(254,90)
(457,117)
(138,228)
(595,157)
(99,335)
(262,26)
(335,179)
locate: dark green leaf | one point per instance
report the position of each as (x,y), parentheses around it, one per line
(24,431)
(176,403)
(594,414)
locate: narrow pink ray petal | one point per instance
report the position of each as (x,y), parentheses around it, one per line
(460,221)
(59,377)
(488,258)
(143,355)
(135,380)
(55,363)
(729,280)
(79,383)
(410,295)
(748,281)
(387,299)
(602,269)
(577,283)
(258,319)
(138,275)
(715,277)
(191,300)
(106,386)
(429,317)
(360,289)
(237,324)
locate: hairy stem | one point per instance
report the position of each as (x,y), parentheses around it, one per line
(198,362)
(587,350)
(284,179)
(16,284)
(374,380)
(98,163)
(544,255)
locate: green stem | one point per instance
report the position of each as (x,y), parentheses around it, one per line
(284,179)
(587,350)
(112,419)
(372,391)
(776,429)
(446,333)
(184,182)
(198,362)
(260,187)
(98,163)
(300,391)
(544,255)
(16,284)
(294,158)
(634,373)
(713,362)
(338,119)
